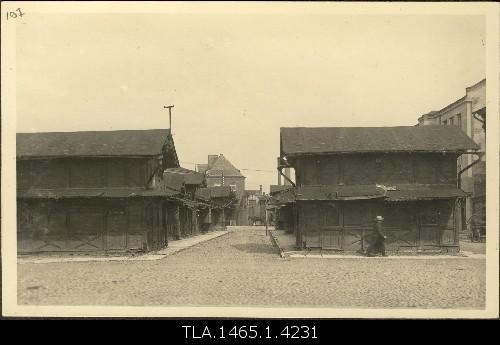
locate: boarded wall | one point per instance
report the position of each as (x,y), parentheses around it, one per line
(348,226)
(89,225)
(376,169)
(85,173)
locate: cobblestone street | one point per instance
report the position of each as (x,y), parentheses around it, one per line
(243,268)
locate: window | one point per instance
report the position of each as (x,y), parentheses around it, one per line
(451,120)
(233,187)
(445,122)
(459,120)
(217,185)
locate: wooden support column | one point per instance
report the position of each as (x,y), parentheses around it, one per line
(127,229)
(296,227)
(223,219)
(177,223)
(165,220)
(195,221)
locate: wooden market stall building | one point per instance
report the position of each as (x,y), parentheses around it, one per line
(344,177)
(222,203)
(93,191)
(281,206)
(185,213)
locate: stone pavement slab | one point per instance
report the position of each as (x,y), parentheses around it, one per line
(174,246)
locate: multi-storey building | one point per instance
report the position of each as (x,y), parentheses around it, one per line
(219,171)
(469,114)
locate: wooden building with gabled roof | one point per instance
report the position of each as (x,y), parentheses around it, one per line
(93,191)
(222,201)
(347,176)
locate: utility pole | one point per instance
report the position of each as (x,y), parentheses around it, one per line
(169,115)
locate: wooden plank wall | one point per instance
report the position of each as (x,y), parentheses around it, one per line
(80,225)
(376,168)
(348,226)
(85,173)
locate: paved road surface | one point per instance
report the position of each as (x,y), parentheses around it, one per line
(242,268)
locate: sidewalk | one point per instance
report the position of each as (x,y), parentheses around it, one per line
(286,244)
(173,247)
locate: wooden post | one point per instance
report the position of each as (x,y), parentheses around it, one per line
(169,107)
(177,223)
(127,229)
(223,217)
(296,227)
(266,221)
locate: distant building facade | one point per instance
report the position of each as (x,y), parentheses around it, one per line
(219,171)
(254,205)
(469,114)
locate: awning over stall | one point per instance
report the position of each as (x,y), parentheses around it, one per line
(409,192)
(62,193)
(339,192)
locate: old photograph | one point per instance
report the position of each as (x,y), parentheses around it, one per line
(250,159)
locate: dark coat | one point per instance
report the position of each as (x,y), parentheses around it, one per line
(378,231)
(378,244)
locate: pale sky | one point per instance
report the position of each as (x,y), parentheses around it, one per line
(235,79)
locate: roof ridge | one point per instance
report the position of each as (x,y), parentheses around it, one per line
(99,131)
(224,165)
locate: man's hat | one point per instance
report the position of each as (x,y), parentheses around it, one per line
(379,218)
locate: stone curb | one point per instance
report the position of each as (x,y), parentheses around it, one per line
(275,242)
(318,255)
(222,233)
(144,257)
(295,254)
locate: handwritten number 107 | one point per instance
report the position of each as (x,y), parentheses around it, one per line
(14,14)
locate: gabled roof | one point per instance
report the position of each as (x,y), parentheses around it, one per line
(322,140)
(223,166)
(92,143)
(186,176)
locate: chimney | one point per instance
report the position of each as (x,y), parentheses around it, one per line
(211,160)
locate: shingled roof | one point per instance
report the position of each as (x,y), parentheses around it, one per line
(320,140)
(93,143)
(64,193)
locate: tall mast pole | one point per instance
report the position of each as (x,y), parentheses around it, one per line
(169,115)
